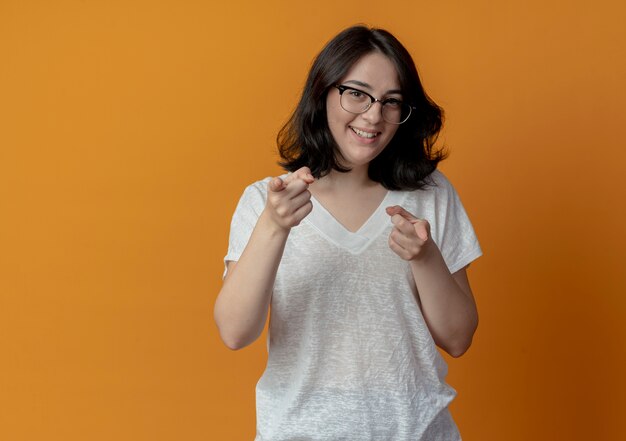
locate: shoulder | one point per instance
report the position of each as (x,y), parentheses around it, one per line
(437,187)
(259,187)
(253,197)
(255,194)
(440,183)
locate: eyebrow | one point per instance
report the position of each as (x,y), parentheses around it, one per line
(367,86)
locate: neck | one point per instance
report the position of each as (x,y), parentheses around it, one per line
(357,178)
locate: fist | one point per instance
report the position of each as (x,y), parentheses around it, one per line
(289,200)
(410,236)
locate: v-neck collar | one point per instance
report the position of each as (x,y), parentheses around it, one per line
(355,242)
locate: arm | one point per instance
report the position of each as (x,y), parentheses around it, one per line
(242,305)
(447,301)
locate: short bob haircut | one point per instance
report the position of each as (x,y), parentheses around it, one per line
(306,140)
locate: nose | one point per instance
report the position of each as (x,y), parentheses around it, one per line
(374,114)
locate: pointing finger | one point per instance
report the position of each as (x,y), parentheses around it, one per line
(303,173)
(396,209)
(420,227)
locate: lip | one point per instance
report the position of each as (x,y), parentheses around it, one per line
(361,139)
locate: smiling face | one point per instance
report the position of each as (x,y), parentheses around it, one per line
(361,137)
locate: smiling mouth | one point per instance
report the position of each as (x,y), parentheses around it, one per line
(363,134)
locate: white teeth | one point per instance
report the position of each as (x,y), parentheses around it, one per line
(363,134)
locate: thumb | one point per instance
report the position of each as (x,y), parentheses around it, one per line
(422,229)
(276,184)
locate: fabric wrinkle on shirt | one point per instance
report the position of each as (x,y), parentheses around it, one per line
(350,355)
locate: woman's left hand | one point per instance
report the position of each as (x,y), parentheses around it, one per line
(410,237)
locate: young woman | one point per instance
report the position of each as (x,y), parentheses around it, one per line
(361,252)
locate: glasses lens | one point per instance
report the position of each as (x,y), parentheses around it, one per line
(355,101)
(396,112)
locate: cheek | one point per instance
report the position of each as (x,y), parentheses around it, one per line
(334,113)
(336,123)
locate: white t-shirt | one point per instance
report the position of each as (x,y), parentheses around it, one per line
(350,355)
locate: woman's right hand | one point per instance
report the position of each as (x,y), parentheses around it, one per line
(242,306)
(289,200)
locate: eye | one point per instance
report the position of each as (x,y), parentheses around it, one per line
(393,103)
(357,94)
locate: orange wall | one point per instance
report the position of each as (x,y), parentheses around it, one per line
(128,130)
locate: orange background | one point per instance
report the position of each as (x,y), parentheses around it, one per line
(128,130)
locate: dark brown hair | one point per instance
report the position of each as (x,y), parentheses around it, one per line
(306,140)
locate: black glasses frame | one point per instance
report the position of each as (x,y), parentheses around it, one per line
(373,100)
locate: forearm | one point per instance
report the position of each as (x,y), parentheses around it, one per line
(447,302)
(242,305)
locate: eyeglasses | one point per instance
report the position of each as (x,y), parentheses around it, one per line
(356,101)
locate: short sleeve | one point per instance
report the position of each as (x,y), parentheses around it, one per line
(244,219)
(454,232)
